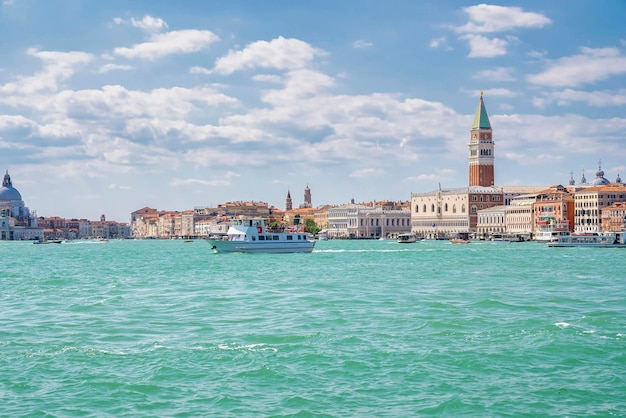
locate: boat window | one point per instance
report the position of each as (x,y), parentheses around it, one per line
(275,237)
(261,237)
(289,238)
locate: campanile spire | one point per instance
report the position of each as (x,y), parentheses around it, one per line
(481,156)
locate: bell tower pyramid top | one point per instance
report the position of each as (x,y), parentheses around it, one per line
(481,119)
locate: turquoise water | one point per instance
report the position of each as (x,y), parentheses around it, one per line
(356,328)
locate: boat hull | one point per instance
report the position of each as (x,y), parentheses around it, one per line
(222,246)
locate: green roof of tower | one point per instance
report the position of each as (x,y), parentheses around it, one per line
(481,120)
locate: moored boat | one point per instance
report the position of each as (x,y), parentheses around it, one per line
(251,235)
(407,238)
(459,241)
(604,240)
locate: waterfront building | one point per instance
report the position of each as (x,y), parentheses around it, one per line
(589,202)
(554,210)
(321,217)
(16,220)
(519,216)
(614,217)
(357,221)
(491,221)
(246,209)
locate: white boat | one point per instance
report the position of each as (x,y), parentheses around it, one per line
(407,238)
(459,241)
(549,235)
(251,235)
(605,240)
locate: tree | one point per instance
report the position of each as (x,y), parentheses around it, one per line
(310,226)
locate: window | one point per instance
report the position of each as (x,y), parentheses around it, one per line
(289,238)
(432,207)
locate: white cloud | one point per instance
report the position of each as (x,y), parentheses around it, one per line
(367,172)
(57,66)
(280,53)
(487,18)
(112,67)
(267,78)
(482,47)
(199,70)
(441,42)
(174,42)
(590,66)
(114,186)
(592,98)
(149,24)
(361,44)
(497,74)
(192,181)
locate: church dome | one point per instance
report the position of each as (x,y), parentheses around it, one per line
(7,191)
(600,180)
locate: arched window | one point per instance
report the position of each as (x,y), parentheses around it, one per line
(417,209)
(432,207)
(446,207)
(453,208)
(424,208)
(463,209)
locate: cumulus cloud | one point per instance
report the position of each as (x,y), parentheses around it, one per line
(361,44)
(592,98)
(367,172)
(112,67)
(193,181)
(280,53)
(57,66)
(590,66)
(149,24)
(489,19)
(483,47)
(174,42)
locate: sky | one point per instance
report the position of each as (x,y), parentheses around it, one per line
(110,106)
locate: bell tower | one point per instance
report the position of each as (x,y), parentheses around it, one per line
(481,156)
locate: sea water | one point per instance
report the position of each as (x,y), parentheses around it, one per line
(356,328)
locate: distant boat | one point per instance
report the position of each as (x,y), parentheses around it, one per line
(407,238)
(251,235)
(605,240)
(459,241)
(45,241)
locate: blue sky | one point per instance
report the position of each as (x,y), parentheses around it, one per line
(110,106)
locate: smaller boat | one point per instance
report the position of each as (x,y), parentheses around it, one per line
(459,241)
(45,241)
(604,240)
(407,238)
